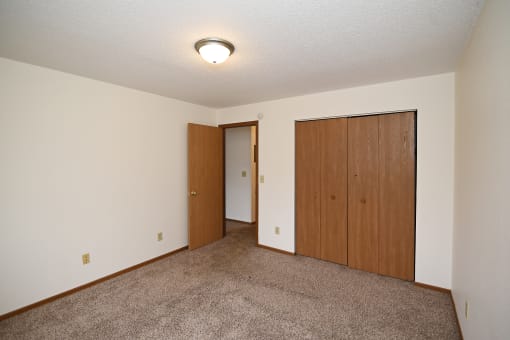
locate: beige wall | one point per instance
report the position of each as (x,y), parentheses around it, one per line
(85,166)
(481,244)
(433,97)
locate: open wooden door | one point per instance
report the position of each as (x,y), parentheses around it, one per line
(205,185)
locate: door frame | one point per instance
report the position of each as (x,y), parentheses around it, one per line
(235,125)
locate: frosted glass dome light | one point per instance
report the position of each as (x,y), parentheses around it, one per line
(214,50)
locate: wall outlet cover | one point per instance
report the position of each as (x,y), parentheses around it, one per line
(160,236)
(85,258)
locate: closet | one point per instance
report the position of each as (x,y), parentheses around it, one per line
(355,192)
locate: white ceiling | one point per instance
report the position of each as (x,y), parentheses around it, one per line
(283,47)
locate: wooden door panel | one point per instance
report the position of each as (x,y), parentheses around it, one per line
(397,195)
(308,189)
(363,170)
(205,178)
(333,142)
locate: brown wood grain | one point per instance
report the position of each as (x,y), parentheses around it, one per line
(397,195)
(238,221)
(275,249)
(308,186)
(253,167)
(205,177)
(333,145)
(363,170)
(239,124)
(436,288)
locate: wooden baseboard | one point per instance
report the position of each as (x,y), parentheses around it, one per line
(238,221)
(275,249)
(439,289)
(87,285)
(449,292)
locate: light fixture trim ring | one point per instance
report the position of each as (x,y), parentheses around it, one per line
(214,40)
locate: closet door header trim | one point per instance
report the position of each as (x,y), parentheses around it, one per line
(356,115)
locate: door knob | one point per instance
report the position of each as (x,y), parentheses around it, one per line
(193,193)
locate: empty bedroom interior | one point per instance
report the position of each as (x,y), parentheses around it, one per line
(95,102)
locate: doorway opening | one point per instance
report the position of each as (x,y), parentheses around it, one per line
(240,141)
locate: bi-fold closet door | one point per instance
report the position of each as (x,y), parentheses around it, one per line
(355,192)
(321,180)
(363,189)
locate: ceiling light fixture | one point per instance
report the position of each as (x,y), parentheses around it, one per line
(214,50)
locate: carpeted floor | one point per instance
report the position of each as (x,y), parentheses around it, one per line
(233,290)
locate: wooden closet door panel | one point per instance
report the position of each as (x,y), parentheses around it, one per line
(363,172)
(397,194)
(308,189)
(333,141)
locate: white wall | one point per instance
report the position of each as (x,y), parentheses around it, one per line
(237,160)
(481,245)
(85,166)
(433,97)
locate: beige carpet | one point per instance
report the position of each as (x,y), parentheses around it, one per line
(233,290)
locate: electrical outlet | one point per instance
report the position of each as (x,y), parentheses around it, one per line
(85,258)
(466,310)
(243,173)
(261,178)
(160,236)
(277,230)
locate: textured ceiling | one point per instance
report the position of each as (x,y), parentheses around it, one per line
(283,48)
